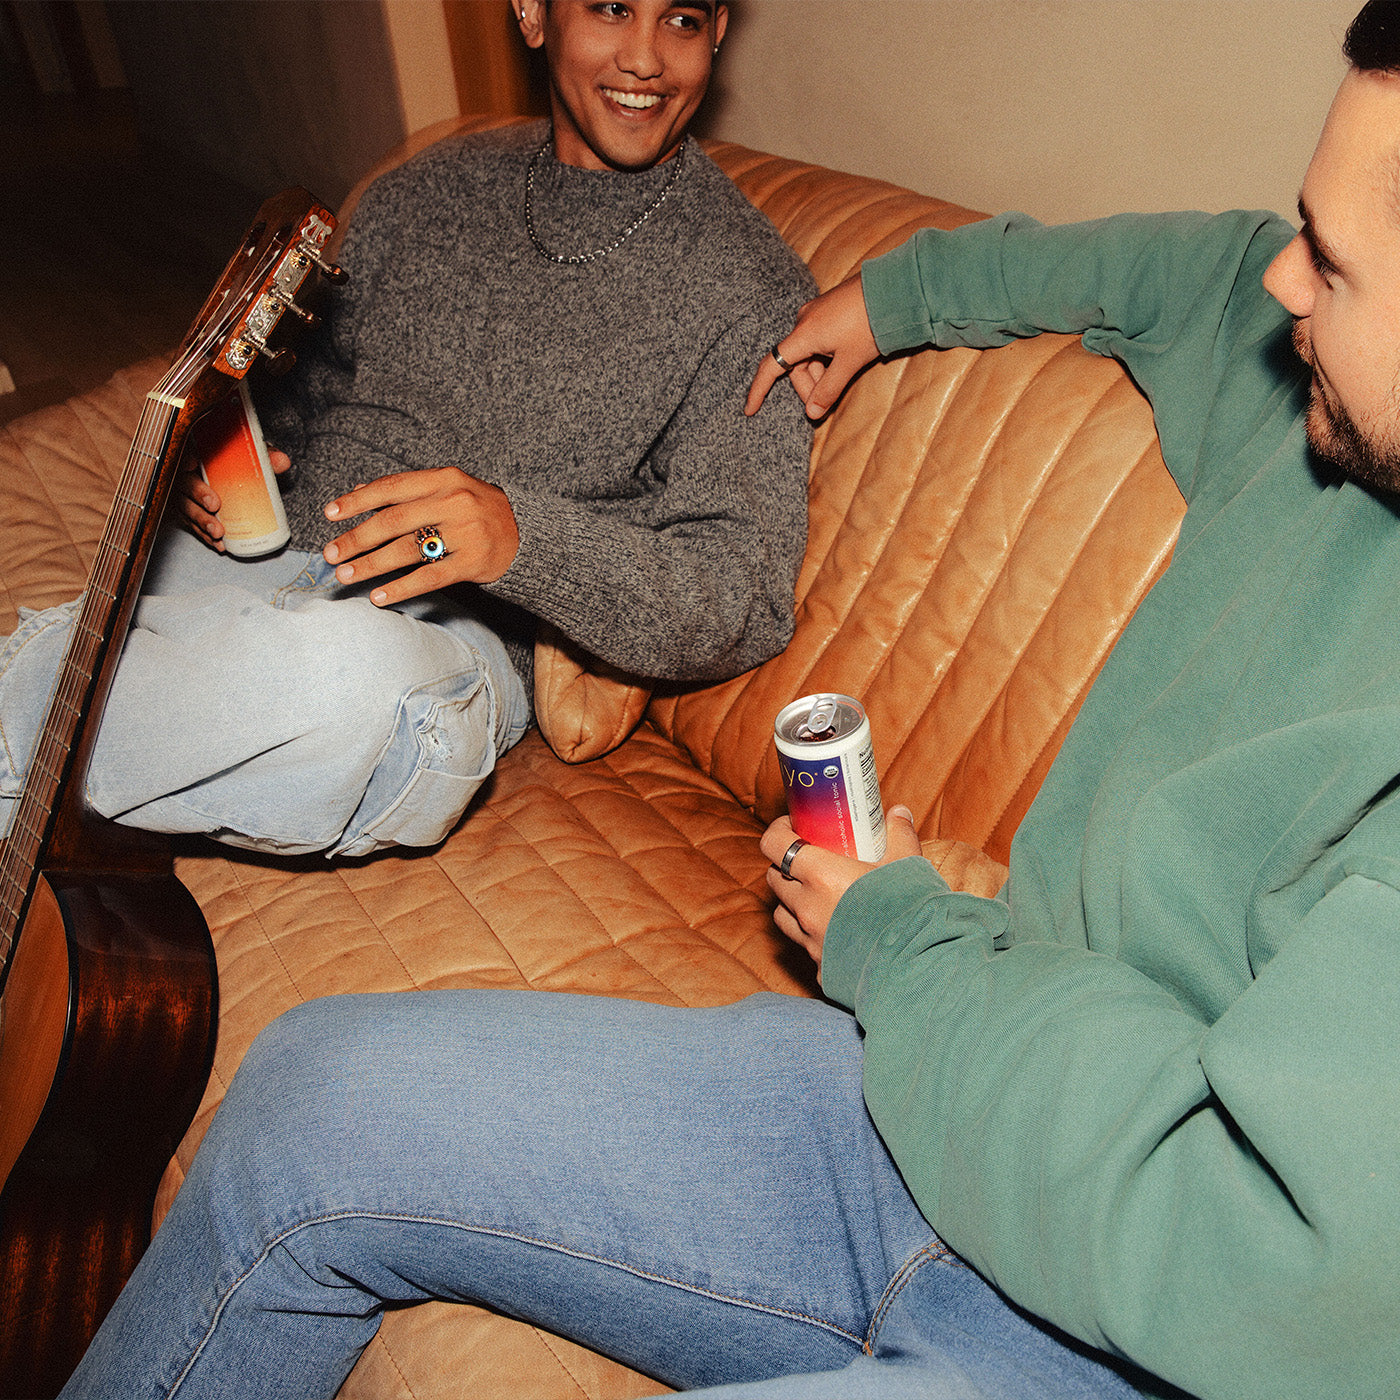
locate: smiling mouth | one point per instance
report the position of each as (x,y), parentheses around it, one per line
(633,101)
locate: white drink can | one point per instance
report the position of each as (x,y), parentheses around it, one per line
(233,460)
(828,767)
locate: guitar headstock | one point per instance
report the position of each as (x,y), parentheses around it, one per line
(278,262)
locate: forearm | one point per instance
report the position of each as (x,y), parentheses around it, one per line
(1132,278)
(679,606)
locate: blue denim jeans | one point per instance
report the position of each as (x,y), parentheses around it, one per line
(260,703)
(697,1193)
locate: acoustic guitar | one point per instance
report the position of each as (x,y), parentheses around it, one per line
(108,990)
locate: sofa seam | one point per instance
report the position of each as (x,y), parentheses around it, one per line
(558,874)
(1051,466)
(546,1342)
(624,947)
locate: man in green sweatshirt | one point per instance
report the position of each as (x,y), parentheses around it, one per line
(1152,1091)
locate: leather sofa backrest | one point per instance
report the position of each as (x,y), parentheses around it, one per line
(982,526)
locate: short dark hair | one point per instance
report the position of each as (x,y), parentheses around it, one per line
(1372,44)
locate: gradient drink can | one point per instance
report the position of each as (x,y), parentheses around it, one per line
(233,460)
(828,767)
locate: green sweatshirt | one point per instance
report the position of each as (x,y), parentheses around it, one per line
(1153,1090)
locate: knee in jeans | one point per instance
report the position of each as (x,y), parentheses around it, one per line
(364,661)
(289,1076)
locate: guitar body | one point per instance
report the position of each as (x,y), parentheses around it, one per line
(108,1036)
(108,987)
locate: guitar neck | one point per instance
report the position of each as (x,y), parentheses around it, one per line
(75,702)
(261,281)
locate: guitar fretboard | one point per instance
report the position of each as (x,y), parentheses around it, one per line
(87,646)
(259,283)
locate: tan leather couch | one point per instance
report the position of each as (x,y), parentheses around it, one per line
(982,526)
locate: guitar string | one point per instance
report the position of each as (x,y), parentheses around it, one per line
(87,643)
(22,847)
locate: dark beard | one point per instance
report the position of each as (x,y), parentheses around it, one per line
(1334,435)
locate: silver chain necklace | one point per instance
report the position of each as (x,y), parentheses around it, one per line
(621,238)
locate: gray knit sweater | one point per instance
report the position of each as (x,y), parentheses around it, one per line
(660,529)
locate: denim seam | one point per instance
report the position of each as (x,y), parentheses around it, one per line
(482,672)
(933,1252)
(9,661)
(496,1233)
(296,586)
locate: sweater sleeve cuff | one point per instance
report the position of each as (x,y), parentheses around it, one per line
(894,299)
(863,914)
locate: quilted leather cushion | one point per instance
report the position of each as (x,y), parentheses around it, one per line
(59,467)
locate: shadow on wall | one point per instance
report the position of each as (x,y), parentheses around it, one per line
(298,92)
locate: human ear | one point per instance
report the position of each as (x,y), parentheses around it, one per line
(530,15)
(721,24)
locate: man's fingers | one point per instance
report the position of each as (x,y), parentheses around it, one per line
(393,489)
(765,377)
(395,523)
(902,835)
(777,838)
(829,385)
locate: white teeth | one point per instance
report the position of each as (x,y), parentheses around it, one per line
(637,101)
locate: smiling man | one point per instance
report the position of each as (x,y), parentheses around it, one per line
(525,408)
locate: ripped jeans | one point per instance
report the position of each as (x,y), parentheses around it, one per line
(260,703)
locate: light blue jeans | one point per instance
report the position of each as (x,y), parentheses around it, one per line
(698,1193)
(260,703)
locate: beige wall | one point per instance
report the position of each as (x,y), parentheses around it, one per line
(422,60)
(1064,108)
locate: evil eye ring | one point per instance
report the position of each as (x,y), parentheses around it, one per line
(431,545)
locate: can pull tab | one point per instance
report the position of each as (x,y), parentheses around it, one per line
(819,718)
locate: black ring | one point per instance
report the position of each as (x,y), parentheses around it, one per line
(778,355)
(785,865)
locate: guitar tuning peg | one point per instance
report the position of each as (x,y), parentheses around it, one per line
(332,272)
(310,318)
(278,362)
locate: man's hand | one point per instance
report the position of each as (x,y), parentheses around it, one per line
(831,343)
(808,896)
(473,518)
(199,501)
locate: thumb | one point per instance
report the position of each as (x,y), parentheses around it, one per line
(830,385)
(901,837)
